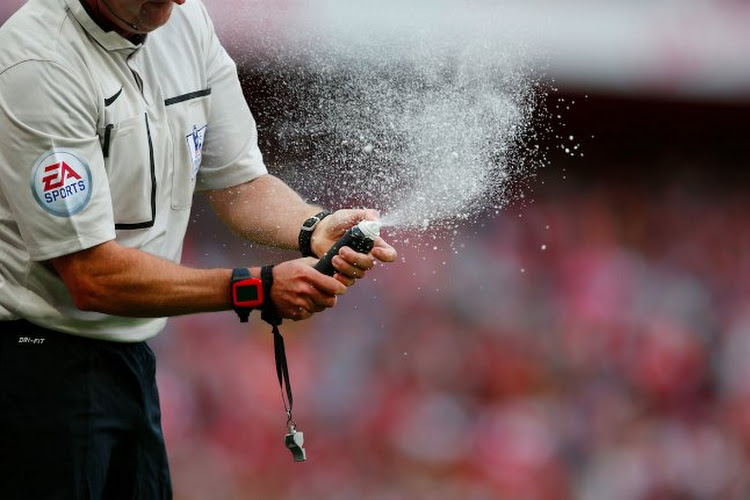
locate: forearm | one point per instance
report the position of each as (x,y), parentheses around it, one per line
(265,211)
(114,279)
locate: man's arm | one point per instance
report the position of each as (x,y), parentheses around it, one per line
(264,210)
(267,211)
(113,279)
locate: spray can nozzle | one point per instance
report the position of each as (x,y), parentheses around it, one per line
(370,228)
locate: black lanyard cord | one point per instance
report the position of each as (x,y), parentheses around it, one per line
(282,372)
(271,316)
(295,440)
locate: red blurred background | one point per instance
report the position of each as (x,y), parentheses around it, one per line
(588,343)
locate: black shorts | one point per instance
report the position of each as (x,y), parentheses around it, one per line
(79,418)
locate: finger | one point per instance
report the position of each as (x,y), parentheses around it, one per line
(352,216)
(317,300)
(383,251)
(316,308)
(348,270)
(358,260)
(325,285)
(371,214)
(345,280)
(320,302)
(300,313)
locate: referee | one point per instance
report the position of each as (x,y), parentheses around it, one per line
(108,126)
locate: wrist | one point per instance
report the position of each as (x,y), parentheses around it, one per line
(269,314)
(245,292)
(306,233)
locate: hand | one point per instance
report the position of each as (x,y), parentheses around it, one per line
(299,291)
(350,265)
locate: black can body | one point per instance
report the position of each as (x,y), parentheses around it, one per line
(355,239)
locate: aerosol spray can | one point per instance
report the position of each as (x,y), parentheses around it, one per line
(360,238)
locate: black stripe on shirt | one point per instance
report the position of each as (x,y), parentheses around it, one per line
(187,97)
(148,223)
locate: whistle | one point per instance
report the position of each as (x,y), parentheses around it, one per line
(295,441)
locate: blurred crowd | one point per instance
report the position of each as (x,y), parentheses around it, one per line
(589,345)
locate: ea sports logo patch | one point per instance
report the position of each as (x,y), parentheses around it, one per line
(61,182)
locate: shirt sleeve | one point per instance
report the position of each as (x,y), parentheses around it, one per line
(231,154)
(54,180)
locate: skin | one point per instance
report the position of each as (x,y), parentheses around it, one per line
(113,279)
(147,15)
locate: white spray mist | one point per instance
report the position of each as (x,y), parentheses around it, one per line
(419,109)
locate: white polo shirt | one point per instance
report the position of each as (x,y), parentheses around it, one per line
(101,140)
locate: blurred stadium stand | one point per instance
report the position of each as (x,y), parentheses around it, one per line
(590,343)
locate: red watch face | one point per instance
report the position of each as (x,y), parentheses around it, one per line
(247,293)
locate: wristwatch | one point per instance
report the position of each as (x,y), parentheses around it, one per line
(246,293)
(306,231)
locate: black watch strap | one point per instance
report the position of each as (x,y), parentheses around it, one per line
(268,313)
(306,231)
